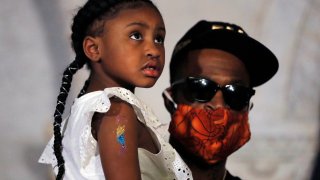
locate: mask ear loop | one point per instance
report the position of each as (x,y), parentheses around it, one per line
(168,97)
(250,106)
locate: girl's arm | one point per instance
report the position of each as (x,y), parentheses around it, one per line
(117,134)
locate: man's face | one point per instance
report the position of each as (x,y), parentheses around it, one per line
(218,66)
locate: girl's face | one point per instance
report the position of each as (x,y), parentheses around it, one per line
(131,49)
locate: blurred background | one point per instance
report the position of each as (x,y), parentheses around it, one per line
(35,49)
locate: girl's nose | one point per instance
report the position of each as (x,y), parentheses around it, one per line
(153,51)
(153,56)
(216,102)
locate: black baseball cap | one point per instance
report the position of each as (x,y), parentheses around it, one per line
(260,62)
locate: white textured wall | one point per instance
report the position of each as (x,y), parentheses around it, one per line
(35,47)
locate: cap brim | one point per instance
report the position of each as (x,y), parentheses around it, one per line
(260,62)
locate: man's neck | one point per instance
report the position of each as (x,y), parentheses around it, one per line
(200,170)
(214,172)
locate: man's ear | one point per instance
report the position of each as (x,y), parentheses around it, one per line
(169,103)
(91,47)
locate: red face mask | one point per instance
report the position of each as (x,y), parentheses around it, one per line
(210,134)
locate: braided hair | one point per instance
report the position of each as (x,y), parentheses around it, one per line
(89,21)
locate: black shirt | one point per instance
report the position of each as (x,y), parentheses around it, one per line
(231,177)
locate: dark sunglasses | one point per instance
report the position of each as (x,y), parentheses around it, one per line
(202,90)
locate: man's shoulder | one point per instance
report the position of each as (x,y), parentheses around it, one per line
(231,177)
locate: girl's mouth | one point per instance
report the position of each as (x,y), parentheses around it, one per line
(151,69)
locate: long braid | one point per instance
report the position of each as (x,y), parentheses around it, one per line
(94,11)
(84,88)
(61,101)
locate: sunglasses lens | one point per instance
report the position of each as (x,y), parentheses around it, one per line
(200,90)
(237,97)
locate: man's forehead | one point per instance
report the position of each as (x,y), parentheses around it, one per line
(212,63)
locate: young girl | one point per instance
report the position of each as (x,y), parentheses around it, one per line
(110,133)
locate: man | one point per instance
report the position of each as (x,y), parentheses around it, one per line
(213,70)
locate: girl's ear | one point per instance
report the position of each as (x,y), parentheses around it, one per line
(169,103)
(91,48)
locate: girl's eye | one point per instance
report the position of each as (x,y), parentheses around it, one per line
(136,36)
(159,40)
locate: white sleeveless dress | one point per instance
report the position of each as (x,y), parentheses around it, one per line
(82,159)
